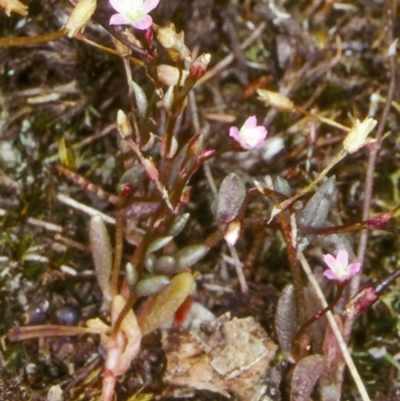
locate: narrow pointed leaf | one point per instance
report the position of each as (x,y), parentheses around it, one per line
(159,243)
(179,224)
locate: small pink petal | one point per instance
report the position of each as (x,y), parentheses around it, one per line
(119,5)
(330,275)
(234,133)
(251,122)
(258,133)
(143,23)
(119,19)
(330,260)
(354,268)
(342,257)
(149,5)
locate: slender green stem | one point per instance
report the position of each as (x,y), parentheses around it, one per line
(321,118)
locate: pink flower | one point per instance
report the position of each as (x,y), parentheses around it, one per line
(250,135)
(339,268)
(133,12)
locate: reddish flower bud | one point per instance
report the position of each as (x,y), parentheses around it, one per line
(199,66)
(361,301)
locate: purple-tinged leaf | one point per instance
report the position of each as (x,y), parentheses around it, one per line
(305,376)
(286,319)
(231,196)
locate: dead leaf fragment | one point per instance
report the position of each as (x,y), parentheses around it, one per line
(225,356)
(14,6)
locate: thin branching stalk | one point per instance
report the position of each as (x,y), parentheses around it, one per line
(374,150)
(309,187)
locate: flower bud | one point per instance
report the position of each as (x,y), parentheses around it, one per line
(362,301)
(199,66)
(232,232)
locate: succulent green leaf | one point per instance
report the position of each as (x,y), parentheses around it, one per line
(159,243)
(141,99)
(131,275)
(150,286)
(190,255)
(179,224)
(165,265)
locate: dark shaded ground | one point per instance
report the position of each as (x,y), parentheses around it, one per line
(295,53)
